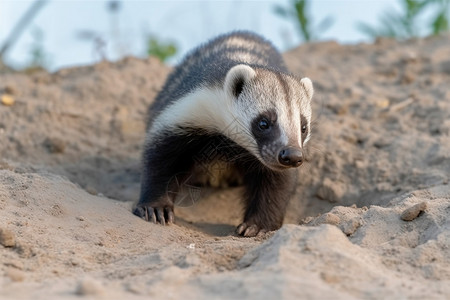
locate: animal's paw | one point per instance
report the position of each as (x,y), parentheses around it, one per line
(249,229)
(163,215)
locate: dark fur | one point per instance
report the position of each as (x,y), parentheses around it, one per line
(266,191)
(197,69)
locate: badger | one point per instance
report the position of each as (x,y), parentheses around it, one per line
(231,98)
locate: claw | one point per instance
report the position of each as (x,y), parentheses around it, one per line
(170,215)
(160,215)
(151,212)
(241,228)
(146,213)
(251,231)
(248,230)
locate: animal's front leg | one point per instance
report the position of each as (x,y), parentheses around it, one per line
(161,166)
(155,204)
(267,196)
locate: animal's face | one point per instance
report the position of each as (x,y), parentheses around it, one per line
(275,112)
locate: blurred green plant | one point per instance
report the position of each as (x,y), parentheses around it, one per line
(39,57)
(161,50)
(297,11)
(440,23)
(405,24)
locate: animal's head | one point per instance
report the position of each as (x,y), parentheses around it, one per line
(273,111)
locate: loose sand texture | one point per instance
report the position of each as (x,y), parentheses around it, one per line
(370,218)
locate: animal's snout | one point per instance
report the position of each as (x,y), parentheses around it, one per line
(290,157)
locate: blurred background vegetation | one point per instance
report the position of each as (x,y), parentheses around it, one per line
(407,23)
(409,19)
(298,12)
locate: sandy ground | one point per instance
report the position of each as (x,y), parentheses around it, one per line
(370,219)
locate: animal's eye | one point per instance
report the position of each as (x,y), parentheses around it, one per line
(263,124)
(303,128)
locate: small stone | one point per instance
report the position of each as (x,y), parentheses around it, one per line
(89,287)
(91,190)
(330,278)
(381,143)
(329,218)
(54,145)
(15,274)
(74,262)
(413,212)
(350,138)
(7,238)
(7,100)
(351,226)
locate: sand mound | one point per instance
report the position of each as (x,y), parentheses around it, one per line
(373,202)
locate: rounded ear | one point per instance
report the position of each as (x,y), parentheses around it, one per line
(308,87)
(236,78)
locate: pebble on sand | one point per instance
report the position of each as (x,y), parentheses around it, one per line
(7,100)
(7,238)
(413,212)
(15,274)
(89,287)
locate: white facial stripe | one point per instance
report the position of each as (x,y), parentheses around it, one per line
(283,123)
(209,109)
(291,120)
(296,123)
(283,114)
(296,107)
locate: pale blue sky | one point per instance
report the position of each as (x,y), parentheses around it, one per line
(186,22)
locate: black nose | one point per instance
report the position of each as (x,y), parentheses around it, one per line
(291,157)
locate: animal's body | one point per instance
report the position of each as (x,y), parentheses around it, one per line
(233,99)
